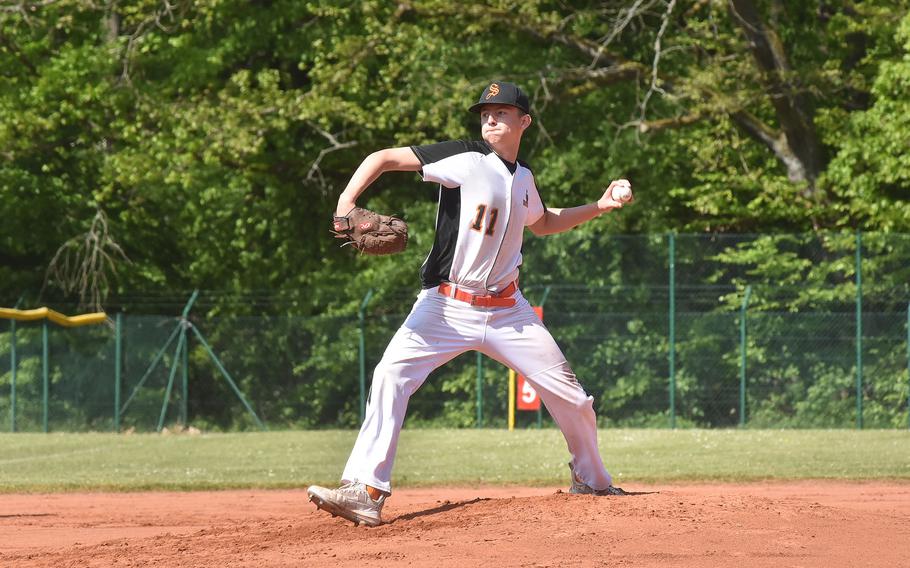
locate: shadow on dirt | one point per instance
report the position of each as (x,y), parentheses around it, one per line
(625,493)
(445,507)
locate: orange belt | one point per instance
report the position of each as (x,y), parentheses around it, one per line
(497,299)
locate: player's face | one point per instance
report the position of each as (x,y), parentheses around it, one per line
(502,123)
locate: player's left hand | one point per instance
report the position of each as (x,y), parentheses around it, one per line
(609,199)
(371,233)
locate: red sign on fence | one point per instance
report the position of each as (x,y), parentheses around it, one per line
(528,399)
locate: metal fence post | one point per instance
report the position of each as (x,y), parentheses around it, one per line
(742,356)
(185,358)
(185,386)
(13,364)
(859,330)
(151,367)
(672,324)
(225,374)
(45,375)
(181,343)
(118,367)
(543,300)
(12,378)
(361,317)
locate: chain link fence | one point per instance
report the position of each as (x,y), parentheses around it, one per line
(799,331)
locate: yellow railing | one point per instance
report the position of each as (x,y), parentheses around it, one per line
(56,317)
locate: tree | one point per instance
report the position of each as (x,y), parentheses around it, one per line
(213,137)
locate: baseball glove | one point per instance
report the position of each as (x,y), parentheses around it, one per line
(370,232)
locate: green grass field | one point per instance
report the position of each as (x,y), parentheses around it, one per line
(72,462)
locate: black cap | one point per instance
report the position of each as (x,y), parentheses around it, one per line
(502,93)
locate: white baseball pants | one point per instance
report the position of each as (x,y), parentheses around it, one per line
(437,330)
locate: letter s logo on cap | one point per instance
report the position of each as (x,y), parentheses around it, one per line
(493,91)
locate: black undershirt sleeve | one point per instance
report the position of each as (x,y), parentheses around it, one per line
(526,166)
(434,152)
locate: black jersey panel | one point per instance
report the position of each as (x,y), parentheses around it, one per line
(438,266)
(527,167)
(442,150)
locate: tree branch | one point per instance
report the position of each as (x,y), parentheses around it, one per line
(619,25)
(653,87)
(19,55)
(791,104)
(166,10)
(23,7)
(663,123)
(335,146)
(604,63)
(775,141)
(81,264)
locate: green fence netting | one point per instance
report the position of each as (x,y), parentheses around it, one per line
(668,331)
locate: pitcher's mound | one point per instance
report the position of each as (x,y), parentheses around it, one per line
(809,524)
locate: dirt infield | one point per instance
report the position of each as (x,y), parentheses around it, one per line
(806,524)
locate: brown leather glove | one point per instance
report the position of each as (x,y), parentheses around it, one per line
(370,232)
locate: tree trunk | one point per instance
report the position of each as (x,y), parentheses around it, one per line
(798,146)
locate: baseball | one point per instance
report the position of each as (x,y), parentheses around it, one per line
(622,193)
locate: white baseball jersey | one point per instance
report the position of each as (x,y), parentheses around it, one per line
(484,205)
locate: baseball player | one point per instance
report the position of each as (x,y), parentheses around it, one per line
(470,298)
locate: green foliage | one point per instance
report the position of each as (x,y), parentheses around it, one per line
(869,174)
(216,136)
(214,133)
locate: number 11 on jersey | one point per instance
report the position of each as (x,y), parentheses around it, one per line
(479,220)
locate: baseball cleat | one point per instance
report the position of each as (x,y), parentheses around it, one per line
(580,488)
(350,501)
(611,490)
